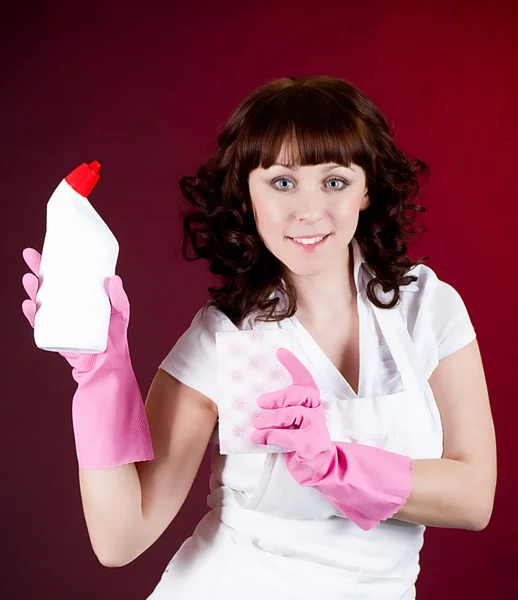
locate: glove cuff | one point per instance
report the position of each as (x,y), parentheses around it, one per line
(109,420)
(366,484)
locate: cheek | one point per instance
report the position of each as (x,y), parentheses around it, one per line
(346,211)
(267,215)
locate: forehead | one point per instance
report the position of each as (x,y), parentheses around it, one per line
(289,157)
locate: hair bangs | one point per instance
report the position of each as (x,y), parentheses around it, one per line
(303,127)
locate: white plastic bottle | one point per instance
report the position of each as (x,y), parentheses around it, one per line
(79,255)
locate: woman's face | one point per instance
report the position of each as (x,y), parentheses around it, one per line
(304,202)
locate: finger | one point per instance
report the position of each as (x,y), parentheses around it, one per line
(33,259)
(272,437)
(297,370)
(29,310)
(294,395)
(31,283)
(282,418)
(118,297)
(272,400)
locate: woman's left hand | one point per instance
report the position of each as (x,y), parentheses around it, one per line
(296,421)
(367,484)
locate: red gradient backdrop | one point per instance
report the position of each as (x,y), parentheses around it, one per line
(145,91)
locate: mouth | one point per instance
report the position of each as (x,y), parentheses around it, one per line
(310,243)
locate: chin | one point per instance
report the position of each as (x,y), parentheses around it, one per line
(304,270)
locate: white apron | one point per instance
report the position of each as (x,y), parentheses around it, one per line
(284,541)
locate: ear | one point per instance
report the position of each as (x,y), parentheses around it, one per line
(365,203)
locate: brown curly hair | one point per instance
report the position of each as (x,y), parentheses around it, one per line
(329,120)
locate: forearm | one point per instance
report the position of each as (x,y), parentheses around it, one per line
(112,505)
(448,493)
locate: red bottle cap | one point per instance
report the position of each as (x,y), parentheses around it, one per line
(84,177)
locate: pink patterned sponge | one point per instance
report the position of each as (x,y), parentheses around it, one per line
(247,367)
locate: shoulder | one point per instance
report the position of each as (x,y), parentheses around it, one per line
(201,333)
(192,359)
(436,315)
(210,318)
(429,295)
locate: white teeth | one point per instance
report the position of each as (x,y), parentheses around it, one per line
(308,241)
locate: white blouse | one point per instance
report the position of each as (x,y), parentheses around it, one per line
(290,532)
(435,314)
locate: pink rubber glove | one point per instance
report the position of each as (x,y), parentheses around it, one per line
(108,416)
(366,484)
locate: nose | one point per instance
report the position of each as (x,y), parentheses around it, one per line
(310,208)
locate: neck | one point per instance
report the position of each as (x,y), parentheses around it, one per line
(322,298)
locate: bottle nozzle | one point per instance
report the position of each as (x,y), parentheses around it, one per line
(84,177)
(95,166)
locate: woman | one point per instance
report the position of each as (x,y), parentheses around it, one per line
(388,428)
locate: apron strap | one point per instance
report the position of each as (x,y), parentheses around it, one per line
(393,326)
(394,329)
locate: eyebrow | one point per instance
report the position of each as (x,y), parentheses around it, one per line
(295,168)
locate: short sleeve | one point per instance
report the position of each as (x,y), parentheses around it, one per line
(451,322)
(192,360)
(436,318)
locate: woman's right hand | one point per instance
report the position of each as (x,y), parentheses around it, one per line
(117,351)
(108,416)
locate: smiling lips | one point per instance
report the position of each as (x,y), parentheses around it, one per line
(310,243)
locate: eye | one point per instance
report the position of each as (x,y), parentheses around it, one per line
(339,180)
(284,188)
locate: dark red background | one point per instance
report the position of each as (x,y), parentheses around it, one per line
(145,91)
